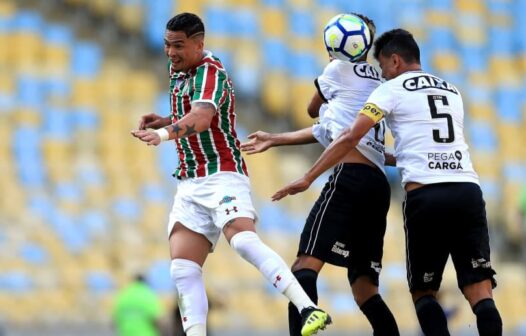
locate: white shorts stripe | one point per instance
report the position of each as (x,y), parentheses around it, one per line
(323,207)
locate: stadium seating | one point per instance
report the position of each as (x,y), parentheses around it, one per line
(84,206)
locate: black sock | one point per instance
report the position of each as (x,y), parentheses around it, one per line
(489,322)
(307,279)
(380,317)
(431,316)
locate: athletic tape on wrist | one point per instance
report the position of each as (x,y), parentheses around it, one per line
(163,134)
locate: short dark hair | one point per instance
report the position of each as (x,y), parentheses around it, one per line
(400,42)
(372,30)
(188,23)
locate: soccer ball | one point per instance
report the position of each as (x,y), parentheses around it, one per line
(347,37)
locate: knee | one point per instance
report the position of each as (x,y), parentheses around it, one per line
(477,292)
(363,288)
(307,262)
(184,269)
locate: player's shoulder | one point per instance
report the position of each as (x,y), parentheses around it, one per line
(210,60)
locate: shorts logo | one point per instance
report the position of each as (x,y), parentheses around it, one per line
(376,266)
(278,279)
(428,277)
(480,262)
(227,199)
(230,210)
(338,248)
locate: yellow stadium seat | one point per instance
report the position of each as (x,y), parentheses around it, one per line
(7,8)
(274,22)
(439,18)
(471,6)
(102,7)
(504,71)
(275,93)
(446,62)
(509,135)
(130,17)
(301,93)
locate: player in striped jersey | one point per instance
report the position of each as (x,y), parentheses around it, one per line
(340,228)
(444,210)
(213,194)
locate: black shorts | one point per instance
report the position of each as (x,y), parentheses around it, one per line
(442,219)
(346,225)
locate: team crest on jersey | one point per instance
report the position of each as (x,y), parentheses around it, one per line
(227,199)
(365,70)
(427,82)
(445,161)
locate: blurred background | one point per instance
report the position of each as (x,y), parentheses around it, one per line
(83,205)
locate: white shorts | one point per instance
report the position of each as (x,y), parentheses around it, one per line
(205,204)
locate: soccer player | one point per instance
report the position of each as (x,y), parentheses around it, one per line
(346,225)
(444,210)
(213,194)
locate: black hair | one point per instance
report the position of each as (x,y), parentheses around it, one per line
(372,30)
(188,23)
(400,42)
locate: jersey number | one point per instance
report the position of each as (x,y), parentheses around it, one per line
(379,132)
(435,115)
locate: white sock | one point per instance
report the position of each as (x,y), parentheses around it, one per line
(270,264)
(196,330)
(191,293)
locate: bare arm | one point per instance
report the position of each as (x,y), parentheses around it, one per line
(390,159)
(154,121)
(261,141)
(197,121)
(314,106)
(330,157)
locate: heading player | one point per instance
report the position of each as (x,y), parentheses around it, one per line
(346,225)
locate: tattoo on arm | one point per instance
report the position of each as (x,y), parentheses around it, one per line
(190,129)
(176,129)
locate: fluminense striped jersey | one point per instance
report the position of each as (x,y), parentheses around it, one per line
(216,149)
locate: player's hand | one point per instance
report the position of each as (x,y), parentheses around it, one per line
(151,120)
(149,137)
(293,188)
(259,142)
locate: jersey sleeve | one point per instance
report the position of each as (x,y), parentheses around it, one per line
(208,84)
(379,104)
(327,82)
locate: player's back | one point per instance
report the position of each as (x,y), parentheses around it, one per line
(426,118)
(346,86)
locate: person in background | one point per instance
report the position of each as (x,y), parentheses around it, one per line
(137,310)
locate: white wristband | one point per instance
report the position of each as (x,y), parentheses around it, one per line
(163,134)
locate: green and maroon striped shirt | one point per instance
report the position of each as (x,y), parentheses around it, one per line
(217,148)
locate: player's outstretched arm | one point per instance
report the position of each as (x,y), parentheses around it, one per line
(197,121)
(261,141)
(330,157)
(390,159)
(155,121)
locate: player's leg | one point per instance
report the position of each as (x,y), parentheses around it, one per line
(306,269)
(369,200)
(240,233)
(426,254)
(188,250)
(471,257)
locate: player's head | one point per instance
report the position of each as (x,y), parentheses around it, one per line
(372,30)
(184,41)
(397,52)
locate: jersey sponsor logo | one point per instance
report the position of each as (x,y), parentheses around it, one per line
(480,263)
(339,248)
(427,82)
(227,199)
(428,277)
(228,211)
(441,160)
(372,111)
(364,70)
(376,266)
